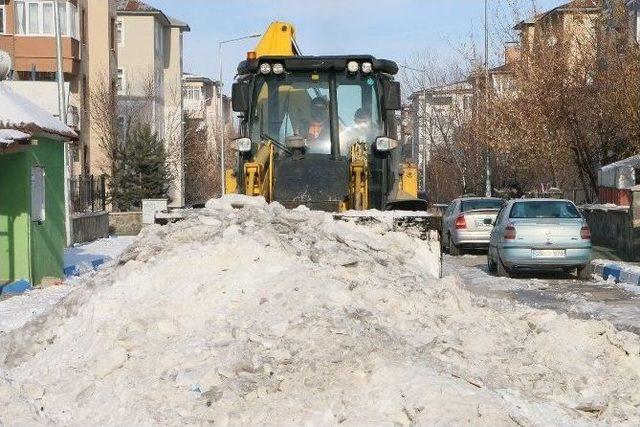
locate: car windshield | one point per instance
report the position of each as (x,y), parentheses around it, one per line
(544,209)
(298,105)
(480,204)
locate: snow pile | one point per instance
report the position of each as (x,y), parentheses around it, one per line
(262,315)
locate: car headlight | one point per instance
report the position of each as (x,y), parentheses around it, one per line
(367,67)
(277,68)
(353,66)
(243,145)
(265,68)
(384,143)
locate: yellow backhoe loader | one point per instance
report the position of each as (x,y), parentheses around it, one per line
(320,131)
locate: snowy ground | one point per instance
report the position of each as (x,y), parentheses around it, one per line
(266,316)
(18,310)
(595,299)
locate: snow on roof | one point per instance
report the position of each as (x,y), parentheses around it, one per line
(9,136)
(19,113)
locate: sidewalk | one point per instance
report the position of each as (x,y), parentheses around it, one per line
(78,260)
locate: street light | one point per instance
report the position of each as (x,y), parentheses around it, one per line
(220,107)
(486,99)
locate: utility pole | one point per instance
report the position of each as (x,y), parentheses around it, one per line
(486,98)
(62,115)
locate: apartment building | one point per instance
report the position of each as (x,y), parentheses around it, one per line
(89,61)
(149,80)
(435,114)
(572,25)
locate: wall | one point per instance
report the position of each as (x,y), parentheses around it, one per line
(29,250)
(90,226)
(125,223)
(14,219)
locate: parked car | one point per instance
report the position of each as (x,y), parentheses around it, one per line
(540,234)
(467,223)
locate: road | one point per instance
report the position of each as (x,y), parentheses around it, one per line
(560,292)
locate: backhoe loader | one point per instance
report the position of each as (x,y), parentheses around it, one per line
(320,131)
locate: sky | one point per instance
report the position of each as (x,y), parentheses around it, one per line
(397,29)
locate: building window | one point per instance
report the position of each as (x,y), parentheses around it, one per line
(120,32)
(3,24)
(112,34)
(120,82)
(83,26)
(159,39)
(37,18)
(191,93)
(48,26)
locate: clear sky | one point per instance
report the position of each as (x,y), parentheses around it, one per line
(392,29)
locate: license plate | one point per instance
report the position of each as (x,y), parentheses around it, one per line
(480,223)
(548,253)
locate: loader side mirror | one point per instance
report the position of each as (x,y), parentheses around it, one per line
(240,97)
(392,97)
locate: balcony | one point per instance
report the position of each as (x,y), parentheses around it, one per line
(40,51)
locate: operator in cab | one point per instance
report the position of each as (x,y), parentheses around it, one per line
(319,133)
(360,131)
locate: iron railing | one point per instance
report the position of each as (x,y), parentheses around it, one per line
(88,194)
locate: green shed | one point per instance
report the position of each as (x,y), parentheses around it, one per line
(32,205)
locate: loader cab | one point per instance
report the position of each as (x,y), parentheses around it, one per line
(314,109)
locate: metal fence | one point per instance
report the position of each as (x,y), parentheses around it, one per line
(88,194)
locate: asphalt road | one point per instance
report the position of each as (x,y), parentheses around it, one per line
(556,291)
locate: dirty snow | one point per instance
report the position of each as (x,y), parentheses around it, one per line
(107,249)
(262,315)
(18,310)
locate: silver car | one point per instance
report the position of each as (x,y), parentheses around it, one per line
(468,221)
(540,234)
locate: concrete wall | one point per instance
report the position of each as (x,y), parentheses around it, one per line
(90,227)
(125,223)
(613,228)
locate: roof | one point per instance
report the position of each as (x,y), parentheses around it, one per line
(137,7)
(9,136)
(572,6)
(189,77)
(19,113)
(451,88)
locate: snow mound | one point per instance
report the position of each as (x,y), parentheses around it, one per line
(246,313)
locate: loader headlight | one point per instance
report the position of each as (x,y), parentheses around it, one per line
(367,67)
(265,68)
(243,145)
(384,143)
(277,68)
(353,66)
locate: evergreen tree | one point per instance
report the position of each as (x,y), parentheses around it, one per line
(140,169)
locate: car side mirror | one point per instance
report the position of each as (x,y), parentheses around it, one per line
(240,97)
(392,96)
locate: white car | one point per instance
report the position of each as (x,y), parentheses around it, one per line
(467,223)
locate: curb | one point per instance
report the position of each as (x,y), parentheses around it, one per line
(619,274)
(15,288)
(79,269)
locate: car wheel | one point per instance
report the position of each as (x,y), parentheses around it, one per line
(453,249)
(501,269)
(491,264)
(584,272)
